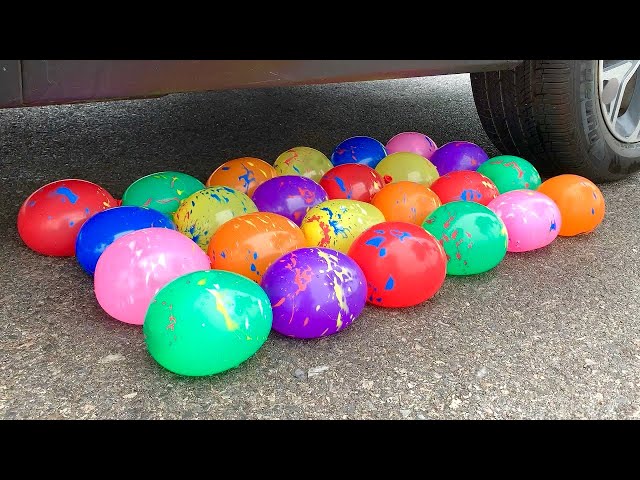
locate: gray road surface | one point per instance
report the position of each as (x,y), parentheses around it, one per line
(548,334)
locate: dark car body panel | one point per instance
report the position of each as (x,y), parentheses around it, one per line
(42,82)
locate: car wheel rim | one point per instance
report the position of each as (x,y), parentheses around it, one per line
(619,92)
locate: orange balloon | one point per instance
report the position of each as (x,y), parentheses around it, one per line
(243,174)
(250,243)
(579,200)
(406,202)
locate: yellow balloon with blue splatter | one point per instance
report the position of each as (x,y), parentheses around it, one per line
(304,161)
(202,213)
(337,223)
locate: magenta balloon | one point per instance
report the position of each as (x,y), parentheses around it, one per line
(454,156)
(413,142)
(137,265)
(289,195)
(532,219)
(314,292)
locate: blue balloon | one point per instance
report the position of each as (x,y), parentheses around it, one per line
(365,150)
(103,228)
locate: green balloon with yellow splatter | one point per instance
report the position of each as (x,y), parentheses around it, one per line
(202,213)
(206,322)
(162,191)
(303,161)
(474,237)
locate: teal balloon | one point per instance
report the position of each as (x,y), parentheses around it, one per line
(474,238)
(206,322)
(509,172)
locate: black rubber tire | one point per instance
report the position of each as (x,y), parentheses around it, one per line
(548,112)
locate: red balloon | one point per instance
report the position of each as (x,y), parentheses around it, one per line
(50,218)
(354,181)
(403,263)
(465,185)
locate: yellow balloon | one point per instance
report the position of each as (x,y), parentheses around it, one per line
(303,161)
(336,223)
(200,214)
(407,166)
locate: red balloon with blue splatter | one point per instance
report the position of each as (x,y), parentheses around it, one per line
(353,181)
(50,218)
(403,263)
(466,186)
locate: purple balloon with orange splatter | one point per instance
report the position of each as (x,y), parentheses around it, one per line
(314,292)
(454,156)
(290,196)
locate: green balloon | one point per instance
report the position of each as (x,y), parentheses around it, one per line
(474,238)
(206,322)
(509,172)
(162,191)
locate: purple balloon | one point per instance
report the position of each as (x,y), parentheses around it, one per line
(314,292)
(290,196)
(454,156)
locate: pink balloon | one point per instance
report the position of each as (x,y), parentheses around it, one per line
(133,268)
(532,219)
(413,142)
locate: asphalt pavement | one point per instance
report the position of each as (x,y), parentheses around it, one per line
(550,334)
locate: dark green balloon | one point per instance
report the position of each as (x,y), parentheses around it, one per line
(207,322)
(509,172)
(474,238)
(162,191)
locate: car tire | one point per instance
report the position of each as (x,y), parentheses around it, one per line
(551,112)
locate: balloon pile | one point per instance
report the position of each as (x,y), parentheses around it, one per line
(301,246)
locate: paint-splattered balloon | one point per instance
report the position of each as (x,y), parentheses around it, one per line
(353,181)
(290,196)
(465,185)
(403,263)
(406,202)
(244,174)
(135,266)
(361,149)
(413,142)
(248,244)
(105,227)
(336,223)
(50,218)
(162,191)
(474,238)
(207,322)
(532,219)
(509,172)
(407,166)
(304,161)
(579,200)
(202,213)
(314,292)
(454,156)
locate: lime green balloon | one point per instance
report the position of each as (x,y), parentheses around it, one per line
(474,238)
(303,161)
(162,191)
(202,213)
(207,322)
(407,166)
(509,172)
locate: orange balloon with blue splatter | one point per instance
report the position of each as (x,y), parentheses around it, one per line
(250,243)
(202,213)
(337,223)
(406,202)
(244,174)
